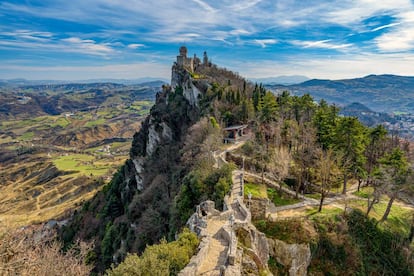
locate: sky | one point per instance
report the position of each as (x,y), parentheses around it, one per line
(130,39)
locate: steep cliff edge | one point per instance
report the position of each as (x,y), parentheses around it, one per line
(134,208)
(139,206)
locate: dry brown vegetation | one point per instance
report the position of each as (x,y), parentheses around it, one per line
(29,252)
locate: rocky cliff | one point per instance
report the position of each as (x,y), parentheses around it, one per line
(135,208)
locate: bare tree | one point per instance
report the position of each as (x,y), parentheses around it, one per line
(279,164)
(327,172)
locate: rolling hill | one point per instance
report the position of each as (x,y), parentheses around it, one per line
(381,93)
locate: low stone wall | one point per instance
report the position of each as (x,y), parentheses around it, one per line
(296,257)
(195,261)
(228,234)
(244,210)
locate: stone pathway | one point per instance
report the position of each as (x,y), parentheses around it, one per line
(217,251)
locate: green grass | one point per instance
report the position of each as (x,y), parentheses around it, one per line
(281,200)
(327,213)
(27,136)
(290,231)
(62,122)
(364,192)
(314,196)
(141,107)
(97,122)
(398,220)
(257,190)
(82,164)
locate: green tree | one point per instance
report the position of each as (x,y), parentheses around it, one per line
(351,141)
(269,107)
(395,173)
(376,148)
(325,120)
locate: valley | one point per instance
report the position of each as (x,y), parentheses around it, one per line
(52,163)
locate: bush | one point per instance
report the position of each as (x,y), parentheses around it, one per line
(161,259)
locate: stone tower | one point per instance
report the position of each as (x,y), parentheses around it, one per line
(184,61)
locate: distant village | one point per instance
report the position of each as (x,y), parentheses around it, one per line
(403,125)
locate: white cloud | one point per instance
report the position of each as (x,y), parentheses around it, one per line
(400,37)
(264,42)
(205,6)
(385,26)
(87,46)
(354,12)
(135,46)
(322,44)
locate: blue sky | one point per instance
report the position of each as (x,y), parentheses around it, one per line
(89,39)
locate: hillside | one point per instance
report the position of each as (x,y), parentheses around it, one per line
(381,93)
(306,173)
(23,102)
(51,164)
(366,115)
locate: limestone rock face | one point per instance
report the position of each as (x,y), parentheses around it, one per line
(139,169)
(156,133)
(182,78)
(296,257)
(191,92)
(153,140)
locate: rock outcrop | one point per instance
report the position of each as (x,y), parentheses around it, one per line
(296,257)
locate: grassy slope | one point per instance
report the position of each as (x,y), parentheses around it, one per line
(45,179)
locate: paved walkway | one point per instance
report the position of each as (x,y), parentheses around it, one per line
(217,251)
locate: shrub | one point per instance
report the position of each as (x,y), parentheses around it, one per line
(161,259)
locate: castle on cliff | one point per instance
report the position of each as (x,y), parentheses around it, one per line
(191,64)
(187,74)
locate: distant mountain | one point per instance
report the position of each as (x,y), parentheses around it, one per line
(366,115)
(53,99)
(382,93)
(284,80)
(24,82)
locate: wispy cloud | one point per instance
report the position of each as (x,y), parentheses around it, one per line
(322,44)
(118,31)
(264,42)
(47,41)
(135,46)
(87,46)
(205,6)
(385,26)
(399,38)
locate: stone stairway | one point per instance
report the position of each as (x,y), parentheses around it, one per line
(217,250)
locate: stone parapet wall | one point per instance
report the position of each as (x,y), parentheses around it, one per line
(196,260)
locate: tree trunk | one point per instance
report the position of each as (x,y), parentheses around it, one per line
(411,236)
(370,205)
(298,185)
(359,183)
(280,187)
(345,181)
(263,169)
(388,210)
(321,202)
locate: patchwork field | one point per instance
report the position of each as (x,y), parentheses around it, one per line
(50,164)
